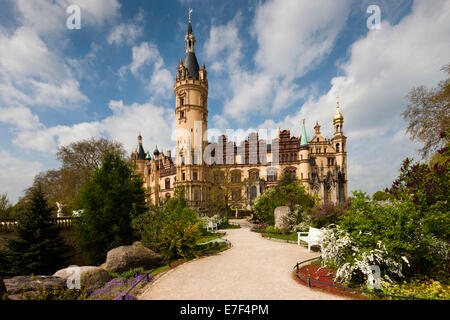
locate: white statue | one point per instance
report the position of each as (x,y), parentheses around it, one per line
(59,214)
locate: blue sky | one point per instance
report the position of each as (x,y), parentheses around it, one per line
(270,63)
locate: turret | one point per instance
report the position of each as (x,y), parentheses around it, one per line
(305,169)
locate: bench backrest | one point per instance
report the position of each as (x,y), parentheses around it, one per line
(314,233)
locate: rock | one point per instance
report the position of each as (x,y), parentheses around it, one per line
(19,284)
(88,276)
(125,258)
(279,213)
(2,289)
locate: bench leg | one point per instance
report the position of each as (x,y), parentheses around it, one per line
(309,247)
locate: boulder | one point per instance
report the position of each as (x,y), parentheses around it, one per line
(2,289)
(19,284)
(279,213)
(88,276)
(125,258)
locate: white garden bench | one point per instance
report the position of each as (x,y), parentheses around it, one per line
(212,226)
(311,237)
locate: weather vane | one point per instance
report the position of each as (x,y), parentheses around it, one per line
(190,11)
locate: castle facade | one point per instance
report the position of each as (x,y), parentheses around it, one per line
(244,169)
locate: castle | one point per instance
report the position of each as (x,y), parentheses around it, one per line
(246,170)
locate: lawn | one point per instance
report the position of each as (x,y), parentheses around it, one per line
(289,236)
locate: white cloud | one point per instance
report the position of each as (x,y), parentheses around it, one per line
(155,123)
(147,55)
(16,174)
(33,75)
(294,36)
(21,117)
(49,17)
(382,68)
(127,33)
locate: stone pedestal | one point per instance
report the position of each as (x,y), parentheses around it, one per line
(279,213)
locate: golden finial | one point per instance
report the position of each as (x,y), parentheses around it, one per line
(338,115)
(190,11)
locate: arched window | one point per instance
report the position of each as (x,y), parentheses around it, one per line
(254,175)
(337,147)
(167,182)
(253,192)
(337,128)
(235,176)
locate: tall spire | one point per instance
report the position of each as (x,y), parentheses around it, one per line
(190,61)
(304,139)
(141,152)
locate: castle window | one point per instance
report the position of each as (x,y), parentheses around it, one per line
(167,183)
(194,176)
(254,175)
(181,114)
(325,150)
(236,195)
(253,192)
(337,147)
(317,139)
(182,101)
(236,176)
(183,176)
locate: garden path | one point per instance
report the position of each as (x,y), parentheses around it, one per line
(254,268)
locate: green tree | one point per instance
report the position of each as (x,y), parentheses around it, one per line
(6,208)
(381,196)
(39,248)
(171,230)
(428,115)
(78,160)
(109,200)
(288,192)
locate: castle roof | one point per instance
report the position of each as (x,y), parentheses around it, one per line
(191,64)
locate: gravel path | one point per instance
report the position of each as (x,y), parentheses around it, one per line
(253,268)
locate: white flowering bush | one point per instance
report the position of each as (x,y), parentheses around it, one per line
(221,220)
(355,265)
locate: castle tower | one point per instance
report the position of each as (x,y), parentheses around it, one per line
(191,111)
(140,156)
(339,143)
(305,169)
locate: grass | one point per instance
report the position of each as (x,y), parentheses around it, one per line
(208,236)
(289,236)
(231,226)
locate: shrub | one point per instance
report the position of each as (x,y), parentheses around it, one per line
(401,227)
(174,219)
(55,294)
(326,214)
(110,198)
(115,289)
(270,229)
(293,195)
(178,239)
(353,263)
(420,288)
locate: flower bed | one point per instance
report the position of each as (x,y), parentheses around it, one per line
(323,274)
(116,288)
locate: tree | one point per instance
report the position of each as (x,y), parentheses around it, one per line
(6,208)
(39,248)
(381,196)
(226,189)
(110,199)
(292,194)
(78,159)
(428,115)
(171,230)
